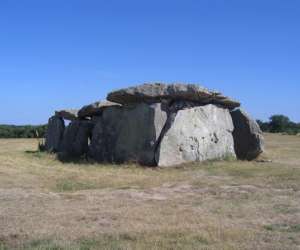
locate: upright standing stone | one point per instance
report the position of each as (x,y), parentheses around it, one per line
(248,137)
(54,135)
(197,134)
(105,134)
(76,138)
(128,134)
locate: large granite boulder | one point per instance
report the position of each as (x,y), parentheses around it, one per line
(54,135)
(95,109)
(196,134)
(152,93)
(67,114)
(76,138)
(128,134)
(248,137)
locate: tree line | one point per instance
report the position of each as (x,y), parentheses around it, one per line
(28,131)
(280,124)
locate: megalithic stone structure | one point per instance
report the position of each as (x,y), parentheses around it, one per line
(158,125)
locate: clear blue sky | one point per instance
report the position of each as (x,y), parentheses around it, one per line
(66,53)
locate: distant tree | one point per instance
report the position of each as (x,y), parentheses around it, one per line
(279,123)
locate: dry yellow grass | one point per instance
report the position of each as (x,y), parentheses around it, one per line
(45,204)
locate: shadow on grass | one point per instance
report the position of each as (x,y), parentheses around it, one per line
(63,158)
(36,153)
(86,160)
(66,158)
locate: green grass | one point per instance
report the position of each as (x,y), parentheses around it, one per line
(71,185)
(160,240)
(286,209)
(3,246)
(44,245)
(283,228)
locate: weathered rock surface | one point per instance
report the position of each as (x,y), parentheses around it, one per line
(95,109)
(76,138)
(54,135)
(67,114)
(248,137)
(151,93)
(196,134)
(128,134)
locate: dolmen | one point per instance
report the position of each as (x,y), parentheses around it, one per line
(157,125)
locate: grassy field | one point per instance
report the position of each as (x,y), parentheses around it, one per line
(45,204)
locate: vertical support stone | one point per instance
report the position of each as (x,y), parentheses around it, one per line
(54,135)
(248,137)
(76,138)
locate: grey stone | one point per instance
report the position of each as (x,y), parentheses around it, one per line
(248,137)
(105,134)
(196,134)
(95,109)
(54,135)
(76,138)
(67,114)
(152,93)
(128,134)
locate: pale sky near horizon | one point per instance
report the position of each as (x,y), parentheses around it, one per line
(64,54)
